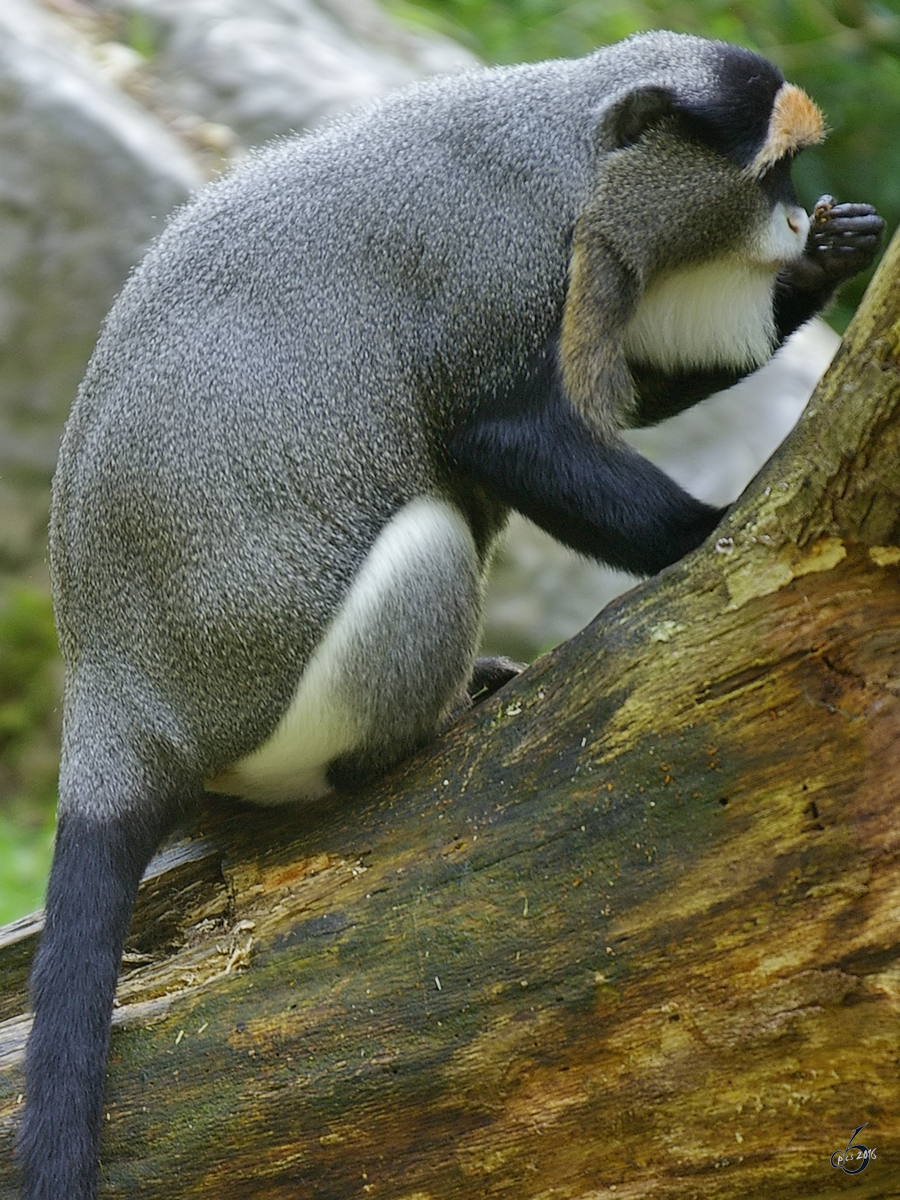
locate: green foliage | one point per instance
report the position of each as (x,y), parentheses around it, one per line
(29,745)
(845,53)
(25,849)
(140,35)
(28,686)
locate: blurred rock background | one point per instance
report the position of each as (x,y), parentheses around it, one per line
(111,111)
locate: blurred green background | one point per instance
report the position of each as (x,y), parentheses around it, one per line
(30,680)
(846,54)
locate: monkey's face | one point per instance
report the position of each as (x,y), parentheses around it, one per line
(794,123)
(782,237)
(670,200)
(703,216)
(682,183)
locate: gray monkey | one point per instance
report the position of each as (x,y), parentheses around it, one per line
(311,410)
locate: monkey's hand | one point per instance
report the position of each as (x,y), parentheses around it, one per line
(843,240)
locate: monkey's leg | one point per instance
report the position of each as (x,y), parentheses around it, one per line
(601,498)
(391,669)
(110,824)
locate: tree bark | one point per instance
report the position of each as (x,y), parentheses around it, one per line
(630,929)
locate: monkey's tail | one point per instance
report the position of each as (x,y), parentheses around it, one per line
(97,866)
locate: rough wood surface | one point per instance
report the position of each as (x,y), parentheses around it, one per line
(631,929)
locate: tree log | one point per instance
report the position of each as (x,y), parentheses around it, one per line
(629,929)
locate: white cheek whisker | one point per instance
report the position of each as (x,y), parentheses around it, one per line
(718,314)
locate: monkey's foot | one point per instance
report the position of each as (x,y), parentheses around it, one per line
(490,674)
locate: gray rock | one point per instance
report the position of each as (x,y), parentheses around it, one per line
(265,67)
(85,176)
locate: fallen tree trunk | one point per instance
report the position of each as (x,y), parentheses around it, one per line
(630,929)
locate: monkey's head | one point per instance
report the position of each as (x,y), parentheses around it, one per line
(695,157)
(690,217)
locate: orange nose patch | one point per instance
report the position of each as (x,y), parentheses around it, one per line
(796,122)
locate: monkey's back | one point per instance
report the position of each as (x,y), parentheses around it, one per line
(274,381)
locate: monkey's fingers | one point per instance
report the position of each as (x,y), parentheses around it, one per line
(843,256)
(823,207)
(837,211)
(849,240)
(869,224)
(848,227)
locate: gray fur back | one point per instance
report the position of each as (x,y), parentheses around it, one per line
(271,384)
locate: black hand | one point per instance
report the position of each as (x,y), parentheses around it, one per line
(843,240)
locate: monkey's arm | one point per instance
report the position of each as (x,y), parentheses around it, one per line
(661,394)
(601,498)
(843,240)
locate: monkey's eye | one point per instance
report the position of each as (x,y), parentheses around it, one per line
(777,181)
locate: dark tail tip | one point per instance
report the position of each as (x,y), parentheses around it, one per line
(97,867)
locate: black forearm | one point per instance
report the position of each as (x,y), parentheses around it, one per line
(603,500)
(661,394)
(795,305)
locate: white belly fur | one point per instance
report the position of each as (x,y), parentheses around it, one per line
(715,314)
(320,724)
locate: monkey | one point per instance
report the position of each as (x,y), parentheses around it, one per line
(313,406)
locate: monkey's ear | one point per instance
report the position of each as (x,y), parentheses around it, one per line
(632,114)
